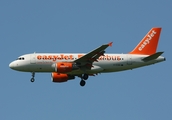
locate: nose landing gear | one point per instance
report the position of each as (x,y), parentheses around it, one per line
(32,79)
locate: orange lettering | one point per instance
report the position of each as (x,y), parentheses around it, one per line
(49,57)
(59,58)
(80,56)
(62,57)
(71,57)
(104,58)
(100,58)
(39,57)
(108,57)
(118,58)
(44,57)
(55,58)
(66,57)
(113,57)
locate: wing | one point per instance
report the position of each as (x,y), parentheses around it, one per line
(85,62)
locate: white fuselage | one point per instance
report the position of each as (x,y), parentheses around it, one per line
(66,66)
(45,62)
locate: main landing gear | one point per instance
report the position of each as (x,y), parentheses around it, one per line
(83,78)
(32,79)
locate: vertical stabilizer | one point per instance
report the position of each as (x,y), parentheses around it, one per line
(149,43)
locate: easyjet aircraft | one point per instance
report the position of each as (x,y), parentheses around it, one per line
(66,66)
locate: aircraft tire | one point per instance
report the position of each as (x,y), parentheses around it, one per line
(32,79)
(85,76)
(82,83)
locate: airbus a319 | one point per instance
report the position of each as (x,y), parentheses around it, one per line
(67,66)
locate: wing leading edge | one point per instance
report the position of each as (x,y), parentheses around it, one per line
(89,58)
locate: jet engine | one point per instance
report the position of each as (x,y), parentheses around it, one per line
(64,67)
(57,77)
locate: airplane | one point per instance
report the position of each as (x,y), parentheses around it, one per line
(67,66)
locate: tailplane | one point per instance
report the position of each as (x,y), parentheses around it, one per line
(149,43)
(152,57)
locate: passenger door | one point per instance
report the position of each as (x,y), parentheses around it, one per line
(32,58)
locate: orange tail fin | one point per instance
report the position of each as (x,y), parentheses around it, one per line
(149,43)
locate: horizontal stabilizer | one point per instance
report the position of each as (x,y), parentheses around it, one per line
(152,57)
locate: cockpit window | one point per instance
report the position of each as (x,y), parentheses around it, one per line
(20,58)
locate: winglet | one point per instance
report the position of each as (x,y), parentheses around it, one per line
(149,43)
(110,44)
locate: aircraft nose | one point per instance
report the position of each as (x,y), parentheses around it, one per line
(13,65)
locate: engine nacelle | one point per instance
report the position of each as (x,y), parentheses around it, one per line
(57,77)
(64,67)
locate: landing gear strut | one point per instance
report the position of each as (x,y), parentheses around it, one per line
(32,79)
(83,78)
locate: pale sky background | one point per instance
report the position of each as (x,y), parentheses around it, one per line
(81,26)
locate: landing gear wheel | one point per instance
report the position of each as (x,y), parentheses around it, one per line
(32,79)
(82,83)
(85,76)
(33,75)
